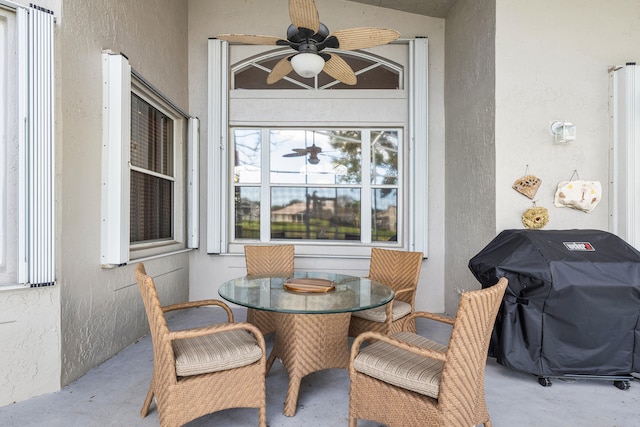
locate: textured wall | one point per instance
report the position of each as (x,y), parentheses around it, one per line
(29,343)
(210,17)
(101,310)
(557,71)
(29,329)
(470,146)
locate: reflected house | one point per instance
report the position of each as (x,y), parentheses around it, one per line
(295,213)
(388,218)
(333,209)
(248,210)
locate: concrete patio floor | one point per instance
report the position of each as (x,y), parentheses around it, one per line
(112,394)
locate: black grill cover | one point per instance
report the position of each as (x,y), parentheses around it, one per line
(572,305)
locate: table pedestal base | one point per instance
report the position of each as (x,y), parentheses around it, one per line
(307,343)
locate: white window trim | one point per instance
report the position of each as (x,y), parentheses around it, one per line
(120,80)
(218,100)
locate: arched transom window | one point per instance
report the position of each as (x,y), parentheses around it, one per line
(372,72)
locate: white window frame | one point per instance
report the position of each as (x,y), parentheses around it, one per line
(364,185)
(120,80)
(415,137)
(9,151)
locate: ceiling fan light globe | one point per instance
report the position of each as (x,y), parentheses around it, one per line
(307,65)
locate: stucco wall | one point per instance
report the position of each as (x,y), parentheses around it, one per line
(557,71)
(101,309)
(470,145)
(208,18)
(30,327)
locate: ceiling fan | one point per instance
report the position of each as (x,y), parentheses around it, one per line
(312,151)
(308,36)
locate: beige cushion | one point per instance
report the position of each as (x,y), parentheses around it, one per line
(215,352)
(401,367)
(378,314)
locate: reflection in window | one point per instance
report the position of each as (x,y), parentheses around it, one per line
(315,213)
(315,184)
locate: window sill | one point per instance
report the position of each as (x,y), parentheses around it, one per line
(146,258)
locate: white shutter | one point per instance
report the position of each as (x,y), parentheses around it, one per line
(116,137)
(624,198)
(218,100)
(37,147)
(419,146)
(193,189)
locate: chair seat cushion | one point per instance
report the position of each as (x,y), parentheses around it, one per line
(401,367)
(378,314)
(215,352)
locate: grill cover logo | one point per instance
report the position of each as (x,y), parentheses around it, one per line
(579,246)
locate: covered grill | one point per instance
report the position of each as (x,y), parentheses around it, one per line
(572,307)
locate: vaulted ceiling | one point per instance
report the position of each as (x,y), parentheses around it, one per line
(434,8)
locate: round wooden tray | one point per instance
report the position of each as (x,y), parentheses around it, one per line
(309,285)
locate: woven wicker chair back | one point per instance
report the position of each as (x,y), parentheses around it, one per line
(269,259)
(275,259)
(462,383)
(397,270)
(182,399)
(163,356)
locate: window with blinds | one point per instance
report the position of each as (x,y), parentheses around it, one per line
(152,177)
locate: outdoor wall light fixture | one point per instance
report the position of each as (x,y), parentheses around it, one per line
(563,131)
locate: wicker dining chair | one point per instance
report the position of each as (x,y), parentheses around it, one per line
(202,370)
(267,260)
(407,380)
(400,271)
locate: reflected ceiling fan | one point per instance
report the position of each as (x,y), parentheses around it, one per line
(308,36)
(312,151)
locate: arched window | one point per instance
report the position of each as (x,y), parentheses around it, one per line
(336,168)
(372,72)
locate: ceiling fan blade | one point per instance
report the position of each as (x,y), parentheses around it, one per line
(338,68)
(247,39)
(304,14)
(362,38)
(294,155)
(281,69)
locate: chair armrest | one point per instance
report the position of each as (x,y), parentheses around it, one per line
(432,316)
(200,303)
(369,336)
(217,328)
(404,291)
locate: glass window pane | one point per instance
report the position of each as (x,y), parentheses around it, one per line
(384,211)
(346,155)
(151,207)
(315,213)
(151,137)
(247,212)
(315,157)
(384,157)
(247,158)
(372,74)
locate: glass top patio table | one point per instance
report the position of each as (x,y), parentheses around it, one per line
(268,293)
(311,328)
